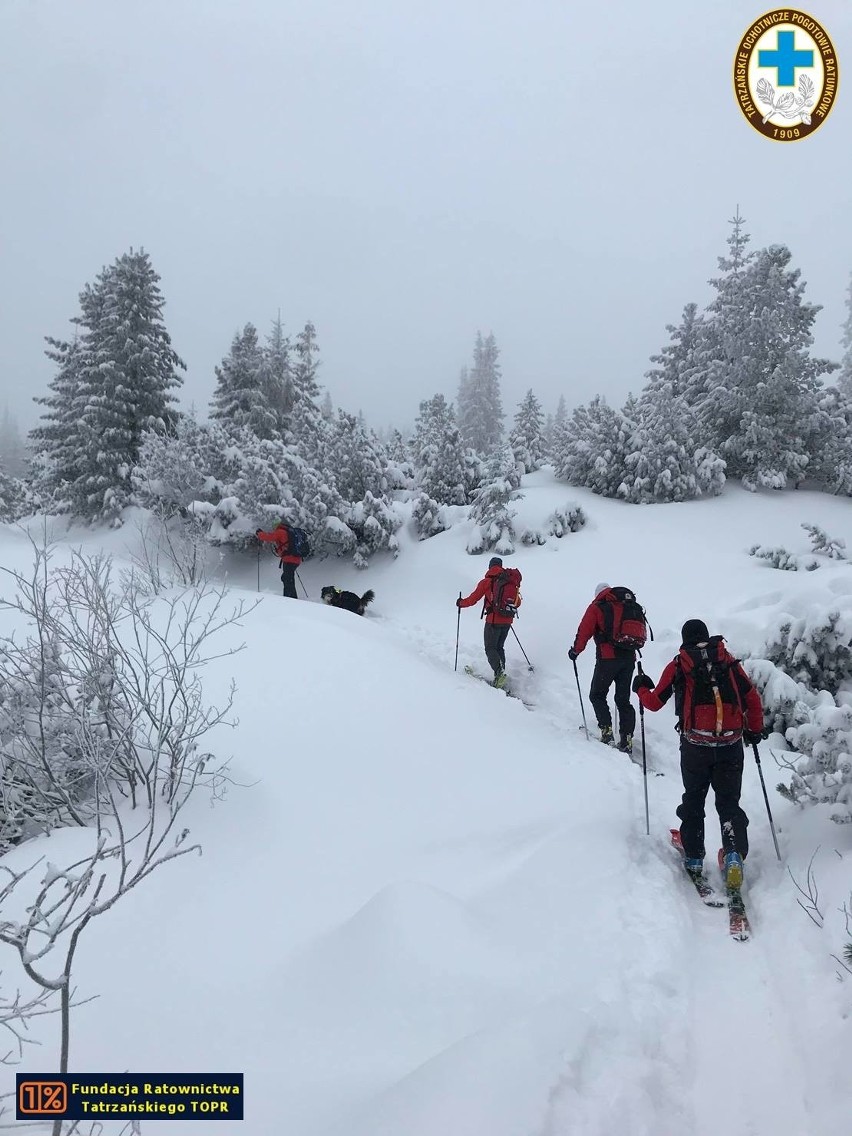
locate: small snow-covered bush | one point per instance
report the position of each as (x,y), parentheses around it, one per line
(805,683)
(832,547)
(569,518)
(777,558)
(427,516)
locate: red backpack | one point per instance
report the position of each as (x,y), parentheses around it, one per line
(506,593)
(708,703)
(624,619)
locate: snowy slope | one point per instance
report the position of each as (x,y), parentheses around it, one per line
(426,909)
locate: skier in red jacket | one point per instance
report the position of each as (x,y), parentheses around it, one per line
(718,708)
(497,624)
(613,664)
(289,562)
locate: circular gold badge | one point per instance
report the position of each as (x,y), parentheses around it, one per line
(785,75)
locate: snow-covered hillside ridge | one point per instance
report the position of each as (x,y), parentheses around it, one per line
(422,907)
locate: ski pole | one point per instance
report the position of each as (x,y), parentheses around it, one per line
(258,567)
(304,589)
(766,799)
(458,629)
(580,696)
(523,652)
(644,760)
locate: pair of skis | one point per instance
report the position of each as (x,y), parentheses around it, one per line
(507,690)
(738,924)
(632,754)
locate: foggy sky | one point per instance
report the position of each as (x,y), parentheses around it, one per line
(402,174)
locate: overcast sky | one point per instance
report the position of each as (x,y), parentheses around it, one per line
(403,174)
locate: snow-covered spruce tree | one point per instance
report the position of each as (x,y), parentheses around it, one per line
(754,385)
(360,466)
(480,407)
(57,443)
(475,471)
(594,448)
(357,458)
(243,386)
(490,509)
(555,432)
(437,451)
(831,464)
(277,380)
(527,437)
(676,363)
(400,467)
(119,378)
(305,365)
(844,379)
(665,463)
(327,407)
(717,355)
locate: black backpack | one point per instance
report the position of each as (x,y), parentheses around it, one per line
(298,543)
(625,625)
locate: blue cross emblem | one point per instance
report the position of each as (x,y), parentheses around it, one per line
(786,59)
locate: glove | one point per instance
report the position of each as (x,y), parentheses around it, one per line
(752,737)
(458,603)
(572,655)
(257,532)
(642,682)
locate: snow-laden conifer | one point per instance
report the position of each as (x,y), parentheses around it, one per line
(243,385)
(480,407)
(491,506)
(527,437)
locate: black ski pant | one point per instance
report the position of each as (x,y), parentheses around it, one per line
(495,643)
(721,767)
(620,672)
(288,579)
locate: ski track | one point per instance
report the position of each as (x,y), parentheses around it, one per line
(724,1066)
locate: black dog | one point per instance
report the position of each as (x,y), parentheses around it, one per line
(347,600)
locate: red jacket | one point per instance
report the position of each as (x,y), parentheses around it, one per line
(749,698)
(483,591)
(281,539)
(592,624)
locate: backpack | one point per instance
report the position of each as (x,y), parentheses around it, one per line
(297,542)
(625,624)
(708,703)
(506,593)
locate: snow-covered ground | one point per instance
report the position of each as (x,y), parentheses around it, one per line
(426,909)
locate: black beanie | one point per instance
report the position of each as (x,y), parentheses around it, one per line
(495,562)
(694,631)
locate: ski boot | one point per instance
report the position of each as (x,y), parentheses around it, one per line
(500,680)
(606,735)
(731,867)
(626,743)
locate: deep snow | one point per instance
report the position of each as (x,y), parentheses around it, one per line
(427,909)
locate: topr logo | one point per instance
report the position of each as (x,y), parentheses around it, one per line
(785,75)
